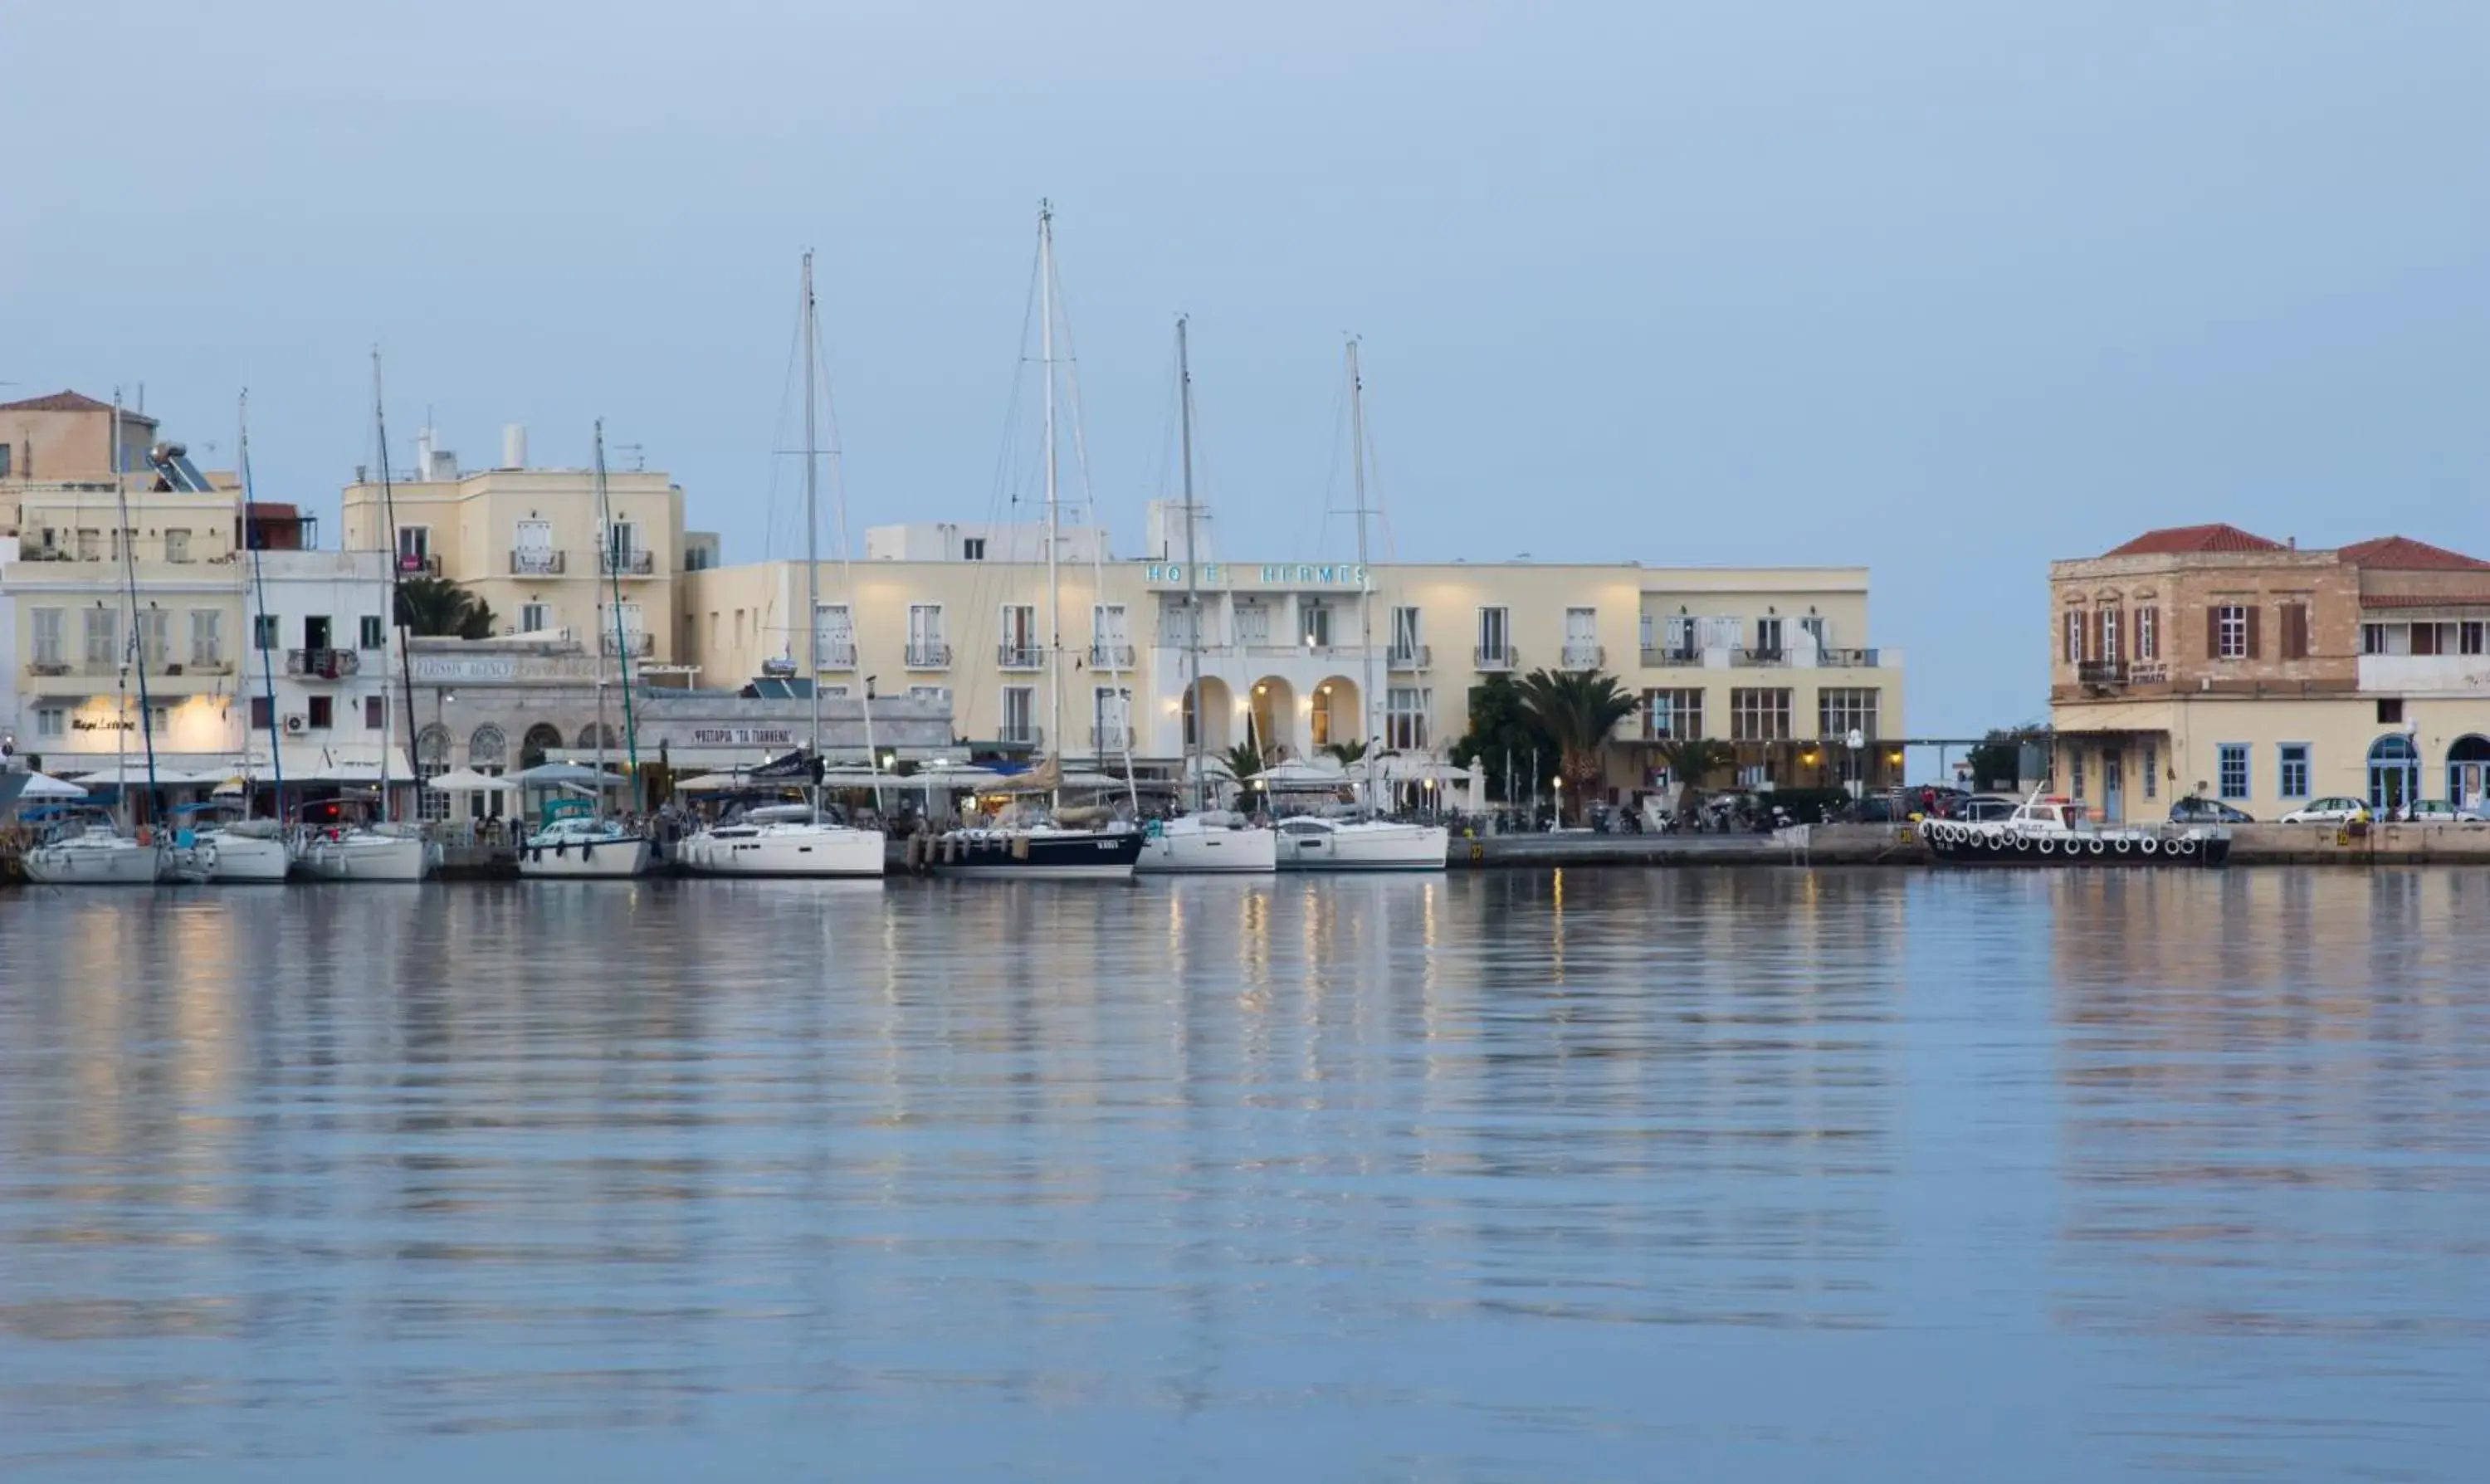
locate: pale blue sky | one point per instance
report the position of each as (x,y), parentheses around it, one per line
(1946,288)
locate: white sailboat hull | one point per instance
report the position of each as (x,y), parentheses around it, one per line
(244,858)
(1377,846)
(94,863)
(373,858)
(1210,852)
(784,850)
(604,860)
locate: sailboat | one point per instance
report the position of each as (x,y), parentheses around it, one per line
(91,851)
(583,840)
(1203,840)
(798,839)
(244,849)
(1056,844)
(1366,842)
(377,848)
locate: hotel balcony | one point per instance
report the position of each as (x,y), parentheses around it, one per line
(1497,660)
(1667,659)
(1111,656)
(837,656)
(419,566)
(2102,672)
(1018,656)
(1583,657)
(323,664)
(639,646)
(539,563)
(626,564)
(928,655)
(1774,658)
(1111,739)
(1409,657)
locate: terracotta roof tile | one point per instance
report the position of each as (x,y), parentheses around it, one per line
(2185,541)
(2403,554)
(58,402)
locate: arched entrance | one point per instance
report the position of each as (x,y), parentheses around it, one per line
(1332,717)
(488,753)
(1274,716)
(2394,766)
(588,737)
(2468,772)
(1216,731)
(542,740)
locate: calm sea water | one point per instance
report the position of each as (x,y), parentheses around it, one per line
(1765,1175)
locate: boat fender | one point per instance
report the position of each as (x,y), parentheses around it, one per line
(1020,847)
(587,848)
(2183,847)
(2100,846)
(2047,846)
(2125,845)
(1997,840)
(2149,845)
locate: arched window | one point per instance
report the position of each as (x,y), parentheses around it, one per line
(432,750)
(2468,772)
(541,740)
(2394,767)
(488,752)
(588,736)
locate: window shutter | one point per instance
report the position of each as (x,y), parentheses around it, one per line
(2214,633)
(2126,637)
(2294,631)
(2256,611)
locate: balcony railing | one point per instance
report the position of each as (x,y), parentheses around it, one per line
(838,655)
(928,655)
(48,667)
(1670,657)
(1018,656)
(1847,659)
(1584,657)
(1111,656)
(418,566)
(1760,657)
(210,665)
(1506,657)
(1409,657)
(636,645)
(2102,672)
(539,563)
(323,664)
(624,563)
(1022,737)
(1111,739)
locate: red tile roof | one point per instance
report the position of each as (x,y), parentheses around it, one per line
(58,402)
(2403,554)
(2185,540)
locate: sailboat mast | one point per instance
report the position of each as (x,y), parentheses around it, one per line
(137,637)
(812,530)
(613,603)
(1365,585)
(259,620)
(397,572)
(1054,581)
(1192,568)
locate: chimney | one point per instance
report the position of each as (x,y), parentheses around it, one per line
(515,446)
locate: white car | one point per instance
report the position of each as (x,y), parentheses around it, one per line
(2328,811)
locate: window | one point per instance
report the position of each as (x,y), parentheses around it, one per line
(2294,630)
(51,721)
(1405,633)
(1768,638)
(102,638)
(1108,645)
(1582,639)
(2148,638)
(2152,754)
(623,542)
(2468,638)
(1110,714)
(2076,771)
(414,548)
(176,544)
(6,452)
(207,636)
(1677,637)
(2373,638)
(2230,632)
(263,631)
(370,636)
(1759,716)
(261,716)
(531,550)
(2294,770)
(1818,631)
(154,625)
(925,645)
(47,635)
(2391,713)
(1018,650)
(90,544)
(2432,638)
(1672,716)
(534,619)
(1253,621)
(2074,651)
(1495,637)
(2233,769)
(1020,711)
(2109,635)
(1841,711)
(315,632)
(834,636)
(973,549)
(323,711)
(373,709)
(1404,717)
(1314,625)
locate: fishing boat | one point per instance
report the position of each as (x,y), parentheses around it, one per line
(1364,841)
(2060,833)
(1050,841)
(810,838)
(1204,841)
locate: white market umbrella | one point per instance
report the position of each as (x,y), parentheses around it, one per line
(46,786)
(133,775)
(1296,774)
(564,774)
(722,783)
(467,780)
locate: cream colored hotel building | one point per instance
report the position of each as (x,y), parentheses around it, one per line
(1778,661)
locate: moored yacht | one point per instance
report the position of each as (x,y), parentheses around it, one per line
(247,851)
(783,839)
(1214,842)
(583,845)
(94,854)
(1312,843)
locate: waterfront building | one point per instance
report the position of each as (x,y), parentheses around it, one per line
(2204,659)
(531,544)
(1775,661)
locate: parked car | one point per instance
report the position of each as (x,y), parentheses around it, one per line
(2328,811)
(1875,809)
(2437,811)
(2208,811)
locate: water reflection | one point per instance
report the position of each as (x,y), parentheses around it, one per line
(1485,1176)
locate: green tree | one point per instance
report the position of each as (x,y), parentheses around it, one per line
(1690,762)
(1348,752)
(1998,761)
(1244,759)
(435,608)
(1501,738)
(1575,711)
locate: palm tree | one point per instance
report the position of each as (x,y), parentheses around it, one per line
(1348,752)
(1576,710)
(1692,759)
(1244,759)
(436,607)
